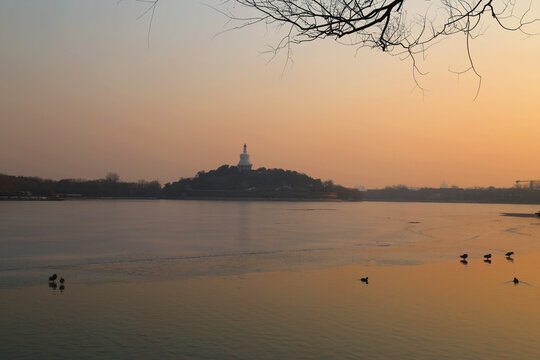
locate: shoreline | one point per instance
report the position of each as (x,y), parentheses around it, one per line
(42,199)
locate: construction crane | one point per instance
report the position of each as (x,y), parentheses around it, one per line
(533,184)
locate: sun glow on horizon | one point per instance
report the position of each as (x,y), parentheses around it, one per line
(82,95)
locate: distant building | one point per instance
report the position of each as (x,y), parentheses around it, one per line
(444,185)
(244,164)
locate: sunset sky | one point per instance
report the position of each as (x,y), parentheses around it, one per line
(82,94)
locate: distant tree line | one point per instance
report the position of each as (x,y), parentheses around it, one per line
(109,186)
(225,181)
(229,181)
(455,194)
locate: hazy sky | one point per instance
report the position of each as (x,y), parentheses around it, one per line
(81,94)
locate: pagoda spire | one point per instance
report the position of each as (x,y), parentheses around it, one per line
(244,164)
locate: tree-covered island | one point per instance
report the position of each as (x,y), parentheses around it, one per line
(231,182)
(226,182)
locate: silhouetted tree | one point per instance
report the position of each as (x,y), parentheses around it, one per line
(13,185)
(112,177)
(397,26)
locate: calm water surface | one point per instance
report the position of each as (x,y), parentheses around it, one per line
(268,280)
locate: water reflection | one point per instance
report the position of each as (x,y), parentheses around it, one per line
(510,259)
(124,239)
(517,282)
(52,285)
(430,311)
(243,235)
(243,222)
(523,215)
(464,262)
(487,261)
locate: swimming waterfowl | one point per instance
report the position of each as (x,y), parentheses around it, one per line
(61,280)
(510,253)
(53,277)
(516,281)
(364,280)
(487,256)
(464,256)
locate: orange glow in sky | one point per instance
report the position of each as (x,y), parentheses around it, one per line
(81,95)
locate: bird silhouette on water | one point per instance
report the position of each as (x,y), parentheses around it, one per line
(464,256)
(52,282)
(510,253)
(487,256)
(516,281)
(364,280)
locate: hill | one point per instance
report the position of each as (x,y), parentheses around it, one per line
(229,182)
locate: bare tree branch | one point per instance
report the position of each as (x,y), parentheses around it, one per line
(378,24)
(385,24)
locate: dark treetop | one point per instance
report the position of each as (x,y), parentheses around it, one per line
(228,181)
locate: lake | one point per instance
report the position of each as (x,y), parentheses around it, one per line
(268,280)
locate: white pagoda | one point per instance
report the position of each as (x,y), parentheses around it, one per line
(244,164)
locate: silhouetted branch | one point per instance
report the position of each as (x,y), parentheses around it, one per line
(384,24)
(149,11)
(379,24)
